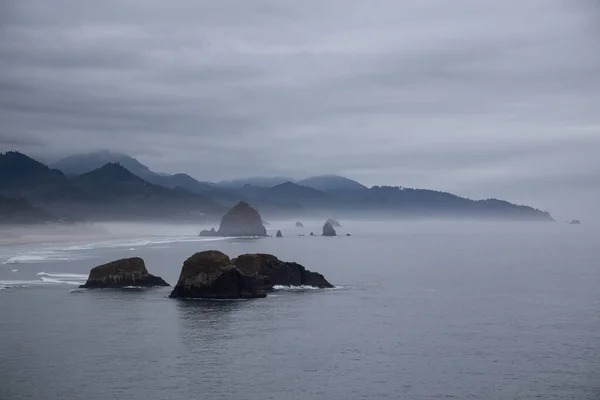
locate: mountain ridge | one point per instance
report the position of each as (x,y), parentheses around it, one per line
(114,191)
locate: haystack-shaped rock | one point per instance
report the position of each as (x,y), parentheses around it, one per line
(299,224)
(334,222)
(211,275)
(328,229)
(279,234)
(271,271)
(122,273)
(241,220)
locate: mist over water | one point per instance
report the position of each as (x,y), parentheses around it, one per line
(422,309)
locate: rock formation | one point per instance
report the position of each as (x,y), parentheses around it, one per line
(334,222)
(211,275)
(575,222)
(347,234)
(122,273)
(241,220)
(212,232)
(271,271)
(328,229)
(279,234)
(299,224)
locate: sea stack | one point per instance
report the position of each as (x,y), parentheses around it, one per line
(271,271)
(328,229)
(334,222)
(211,275)
(299,224)
(279,234)
(241,220)
(122,273)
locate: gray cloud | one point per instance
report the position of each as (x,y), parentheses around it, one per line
(478,98)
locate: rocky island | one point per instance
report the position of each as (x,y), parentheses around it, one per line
(213,275)
(122,273)
(328,229)
(241,220)
(334,222)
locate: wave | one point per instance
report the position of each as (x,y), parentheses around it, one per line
(59,276)
(36,257)
(52,280)
(304,287)
(73,252)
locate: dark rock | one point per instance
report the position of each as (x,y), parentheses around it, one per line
(211,275)
(241,220)
(299,224)
(575,222)
(334,222)
(312,234)
(271,271)
(279,234)
(212,232)
(122,273)
(328,230)
(347,234)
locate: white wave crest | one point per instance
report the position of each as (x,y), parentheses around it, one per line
(295,288)
(59,276)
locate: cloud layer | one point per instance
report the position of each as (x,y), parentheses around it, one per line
(479,98)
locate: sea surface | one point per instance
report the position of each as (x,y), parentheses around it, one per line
(421,310)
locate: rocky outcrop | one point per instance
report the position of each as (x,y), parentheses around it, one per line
(271,271)
(122,273)
(575,222)
(206,232)
(279,234)
(312,234)
(212,275)
(299,224)
(334,222)
(328,229)
(241,220)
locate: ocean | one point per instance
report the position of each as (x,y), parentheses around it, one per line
(421,310)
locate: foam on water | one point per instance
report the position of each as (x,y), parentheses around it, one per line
(75,252)
(62,276)
(295,288)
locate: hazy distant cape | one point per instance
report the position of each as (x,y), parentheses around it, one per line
(106,185)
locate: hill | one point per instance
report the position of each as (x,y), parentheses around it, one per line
(113,191)
(20,211)
(80,164)
(331,182)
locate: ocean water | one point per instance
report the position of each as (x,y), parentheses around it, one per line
(422,310)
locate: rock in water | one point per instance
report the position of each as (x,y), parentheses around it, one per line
(212,232)
(271,271)
(347,234)
(279,234)
(122,273)
(328,230)
(334,222)
(299,224)
(312,234)
(575,222)
(241,220)
(211,275)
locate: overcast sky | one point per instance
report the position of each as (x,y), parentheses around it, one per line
(480,98)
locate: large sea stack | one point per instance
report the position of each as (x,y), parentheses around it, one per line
(328,229)
(241,220)
(271,271)
(211,275)
(122,273)
(334,222)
